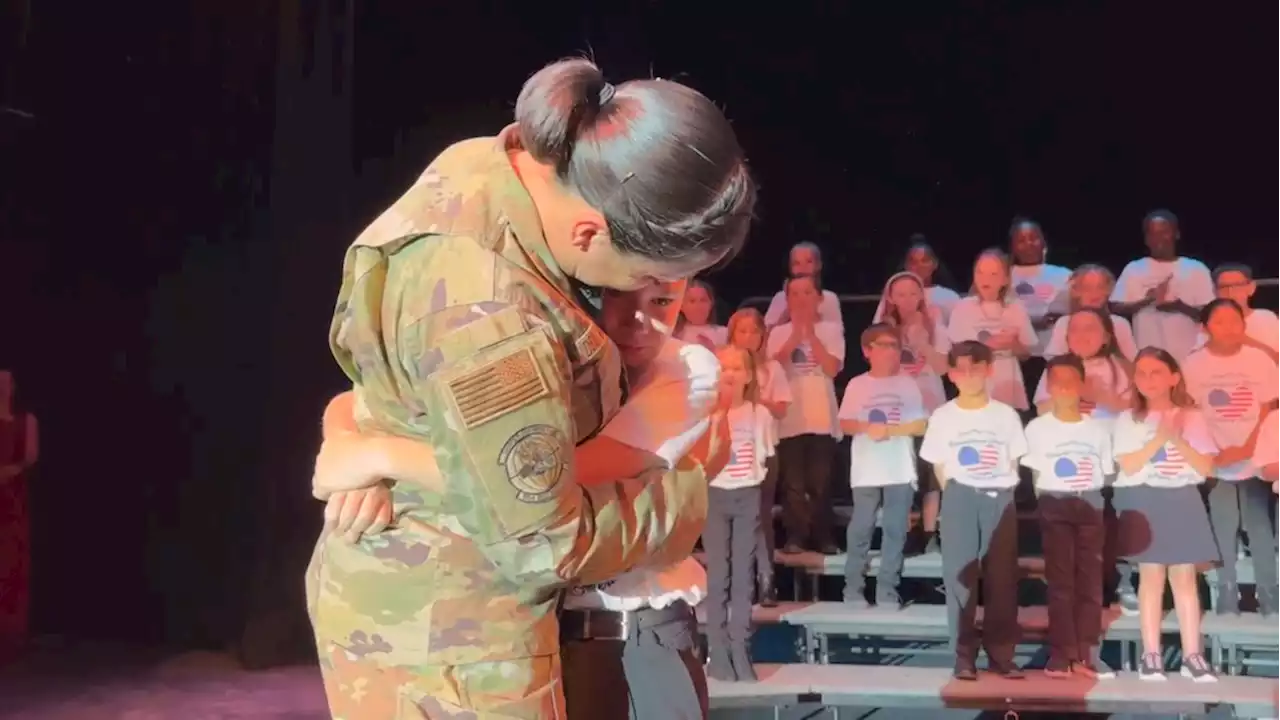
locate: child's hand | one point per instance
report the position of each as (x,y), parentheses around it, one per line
(877,431)
(1232,455)
(917,338)
(1163,292)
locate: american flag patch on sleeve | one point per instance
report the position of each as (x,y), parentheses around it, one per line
(497,388)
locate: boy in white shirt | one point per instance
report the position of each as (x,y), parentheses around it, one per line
(1069,454)
(974,444)
(1163,293)
(882,410)
(1234,281)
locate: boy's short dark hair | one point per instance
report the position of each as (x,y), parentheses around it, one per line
(972,349)
(1224,268)
(877,331)
(817,282)
(1068,360)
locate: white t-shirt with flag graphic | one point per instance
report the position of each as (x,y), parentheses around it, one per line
(711,337)
(828,310)
(979,448)
(1106,373)
(891,400)
(1189,281)
(1231,391)
(916,365)
(813,394)
(1168,468)
(748,447)
(973,319)
(1057,344)
(1069,456)
(1260,324)
(1042,289)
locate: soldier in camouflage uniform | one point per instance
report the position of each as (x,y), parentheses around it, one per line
(463,323)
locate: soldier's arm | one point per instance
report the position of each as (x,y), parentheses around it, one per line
(487,384)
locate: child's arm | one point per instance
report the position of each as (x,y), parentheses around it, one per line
(914,428)
(1131,463)
(940,474)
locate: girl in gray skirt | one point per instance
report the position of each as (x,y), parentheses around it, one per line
(1165,446)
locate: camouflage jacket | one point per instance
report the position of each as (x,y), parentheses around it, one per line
(457,328)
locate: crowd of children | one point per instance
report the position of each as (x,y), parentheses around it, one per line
(1149,441)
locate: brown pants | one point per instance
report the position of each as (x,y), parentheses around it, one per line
(1073,535)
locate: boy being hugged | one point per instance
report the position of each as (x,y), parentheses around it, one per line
(974,443)
(1069,454)
(882,410)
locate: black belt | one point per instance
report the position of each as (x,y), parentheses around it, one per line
(581,624)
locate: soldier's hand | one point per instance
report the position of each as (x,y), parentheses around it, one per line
(355,513)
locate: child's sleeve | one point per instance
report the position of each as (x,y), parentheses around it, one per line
(960,328)
(1196,432)
(1106,455)
(1032,459)
(1126,290)
(668,415)
(1267,451)
(1026,331)
(912,403)
(1057,344)
(779,389)
(933,447)
(1042,388)
(851,404)
(1127,437)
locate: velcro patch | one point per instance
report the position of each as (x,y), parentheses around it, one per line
(499,387)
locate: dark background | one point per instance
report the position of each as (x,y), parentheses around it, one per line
(174,216)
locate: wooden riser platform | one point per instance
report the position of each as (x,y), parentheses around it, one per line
(935,689)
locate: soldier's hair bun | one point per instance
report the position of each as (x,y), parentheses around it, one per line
(657,158)
(556,105)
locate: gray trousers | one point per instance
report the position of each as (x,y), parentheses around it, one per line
(981,545)
(896,500)
(652,675)
(733,525)
(1244,504)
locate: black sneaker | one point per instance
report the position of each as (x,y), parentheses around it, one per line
(965,670)
(1198,669)
(1151,667)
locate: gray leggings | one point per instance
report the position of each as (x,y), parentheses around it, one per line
(733,526)
(1244,504)
(896,500)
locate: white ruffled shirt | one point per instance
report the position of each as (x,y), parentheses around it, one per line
(665,415)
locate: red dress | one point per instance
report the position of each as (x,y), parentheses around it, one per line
(15,541)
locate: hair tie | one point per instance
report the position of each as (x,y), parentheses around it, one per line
(606,94)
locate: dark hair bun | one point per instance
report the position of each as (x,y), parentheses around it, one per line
(554,107)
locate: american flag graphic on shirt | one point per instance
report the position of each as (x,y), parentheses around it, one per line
(911,363)
(803,361)
(1168,462)
(1076,473)
(979,460)
(1028,290)
(886,414)
(742,456)
(1231,403)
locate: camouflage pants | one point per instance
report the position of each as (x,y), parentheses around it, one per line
(525,689)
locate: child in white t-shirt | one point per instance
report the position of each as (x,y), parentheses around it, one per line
(1070,455)
(1163,452)
(1235,385)
(733,519)
(1091,337)
(698,317)
(974,443)
(1261,326)
(994,318)
(882,411)
(804,259)
(922,262)
(1163,293)
(906,304)
(1041,286)
(1091,286)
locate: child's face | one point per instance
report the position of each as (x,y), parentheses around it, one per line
(1153,378)
(640,321)
(905,295)
(989,277)
(1225,326)
(883,354)
(1028,245)
(802,299)
(1065,384)
(697,305)
(748,335)
(803,261)
(1092,290)
(970,376)
(920,263)
(1086,335)
(1234,285)
(734,374)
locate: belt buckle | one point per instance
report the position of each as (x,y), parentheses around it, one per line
(624,624)
(991,493)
